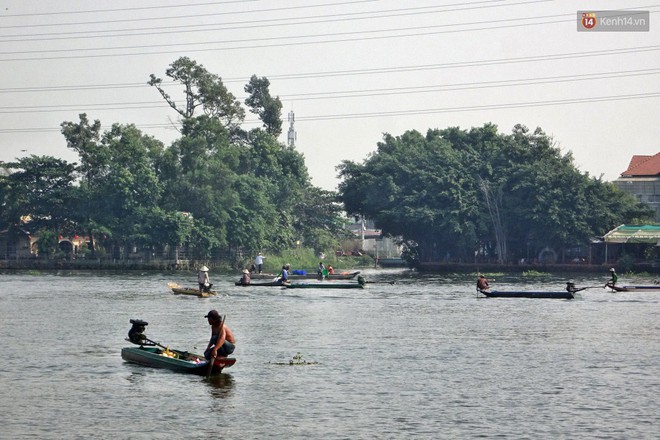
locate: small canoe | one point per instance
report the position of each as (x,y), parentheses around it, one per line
(180,290)
(654,288)
(309,276)
(323,285)
(526,294)
(175,360)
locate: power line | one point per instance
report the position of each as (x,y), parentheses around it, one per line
(140,8)
(133,20)
(548,103)
(350,93)
(379,70)
(325,35)
(279,22)
(339,39)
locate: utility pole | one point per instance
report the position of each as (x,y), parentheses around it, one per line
(291,135)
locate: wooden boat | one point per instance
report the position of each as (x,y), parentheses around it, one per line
(309,276)
(175,360)
(323,285)
(527,294)
(193,291)
(654,288)
(259,283)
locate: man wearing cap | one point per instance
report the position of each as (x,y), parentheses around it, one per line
(222,339)
(612,282)
(203,279)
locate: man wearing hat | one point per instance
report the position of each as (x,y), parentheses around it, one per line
(222,339)
(612,282)
(245,279)
(203,279)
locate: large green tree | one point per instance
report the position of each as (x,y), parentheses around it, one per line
(457,192)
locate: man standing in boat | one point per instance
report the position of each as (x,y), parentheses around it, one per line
(203,279)
(612,282)
(222,339)
(259,262)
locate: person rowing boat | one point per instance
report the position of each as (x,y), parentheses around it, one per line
(570,287)
(482,283)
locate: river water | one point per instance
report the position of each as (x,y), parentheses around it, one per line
(420,358)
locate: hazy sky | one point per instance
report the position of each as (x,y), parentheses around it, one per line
(350,70)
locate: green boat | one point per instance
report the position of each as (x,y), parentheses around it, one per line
(153,354)
(175,360)
(324,285)
(307,276)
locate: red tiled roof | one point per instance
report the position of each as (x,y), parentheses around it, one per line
(643,166)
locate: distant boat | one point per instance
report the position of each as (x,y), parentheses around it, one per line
(308,276)
(654,288)
(527,294)
(324,285)
(179,290)
(259,284)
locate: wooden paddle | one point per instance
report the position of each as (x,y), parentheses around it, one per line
(222,323)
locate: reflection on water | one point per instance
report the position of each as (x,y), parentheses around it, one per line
(410,356)
(220,386)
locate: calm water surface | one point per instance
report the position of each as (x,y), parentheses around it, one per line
(421,358)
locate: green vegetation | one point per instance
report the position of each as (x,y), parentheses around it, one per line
(217,192)
(479,195)
(222,192)
(535,273)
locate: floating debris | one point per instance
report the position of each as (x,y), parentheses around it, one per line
(296,360)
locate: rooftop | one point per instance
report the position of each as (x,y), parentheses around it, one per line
(643,166)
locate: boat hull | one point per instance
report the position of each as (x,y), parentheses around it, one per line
(309,276)
(184,362)
(654,288)
(259,284)
(523,294)
(324,285)
(192,292)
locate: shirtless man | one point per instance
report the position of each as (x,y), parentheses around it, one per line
(482,283)
(222,339)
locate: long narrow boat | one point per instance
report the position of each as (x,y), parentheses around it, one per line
(180,290)
(654,288)
(175,360)
(527,294)
(259,283)
(324,285)
(309,276)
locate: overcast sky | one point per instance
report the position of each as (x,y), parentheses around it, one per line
(350,70)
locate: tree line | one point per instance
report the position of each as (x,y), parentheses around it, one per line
(479,194)
(218,187)
(456,193)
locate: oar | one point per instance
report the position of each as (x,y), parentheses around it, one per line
(222,323)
